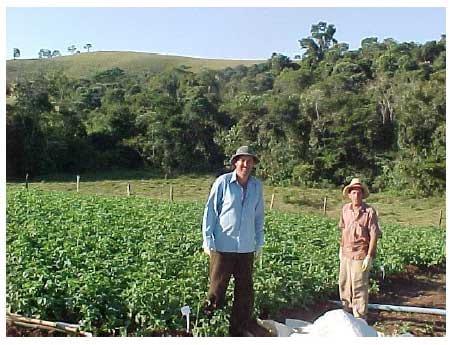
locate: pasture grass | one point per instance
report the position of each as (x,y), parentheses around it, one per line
(87,64)
(392,208)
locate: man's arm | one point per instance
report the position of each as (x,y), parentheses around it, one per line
(259,219)
(372,245)
(210,217)
(341,226)
(374,233)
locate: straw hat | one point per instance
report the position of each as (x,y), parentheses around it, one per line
(353,184)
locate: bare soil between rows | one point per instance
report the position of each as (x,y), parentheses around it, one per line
(420,287)
(415,287)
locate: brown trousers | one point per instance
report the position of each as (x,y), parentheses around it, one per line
(240,266)
(353,287)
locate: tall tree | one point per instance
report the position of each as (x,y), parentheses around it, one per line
(323,34)
(32,102)
(71,49)
(16,53)
(45,53)
(87,46)
(320,40)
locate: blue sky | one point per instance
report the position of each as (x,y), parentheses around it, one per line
(235,33)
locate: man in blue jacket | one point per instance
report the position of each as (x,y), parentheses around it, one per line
(233,235)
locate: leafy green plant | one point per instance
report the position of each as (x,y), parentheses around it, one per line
(125,265)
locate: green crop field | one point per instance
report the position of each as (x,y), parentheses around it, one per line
(126,265)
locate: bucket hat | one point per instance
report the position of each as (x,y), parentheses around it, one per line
(244,151)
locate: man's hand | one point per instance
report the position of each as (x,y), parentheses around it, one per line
(258,254)
(207,251)
(367,263)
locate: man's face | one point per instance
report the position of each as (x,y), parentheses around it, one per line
(356,196)
(243,166)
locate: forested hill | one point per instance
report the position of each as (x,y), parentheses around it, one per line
(378,112)
(85,65)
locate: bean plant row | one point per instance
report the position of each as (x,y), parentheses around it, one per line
(126,265)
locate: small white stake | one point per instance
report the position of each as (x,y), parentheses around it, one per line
(185,310)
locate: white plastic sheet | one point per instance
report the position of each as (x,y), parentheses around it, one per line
(340,323)
(334,323)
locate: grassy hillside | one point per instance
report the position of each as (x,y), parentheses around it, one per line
(86,64)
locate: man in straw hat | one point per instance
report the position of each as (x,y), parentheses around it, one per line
(233,235)
(360,231)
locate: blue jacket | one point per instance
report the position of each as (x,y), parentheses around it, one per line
(234,216)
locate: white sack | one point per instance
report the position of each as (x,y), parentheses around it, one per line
(338,323)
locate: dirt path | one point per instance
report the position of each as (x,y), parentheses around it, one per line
(415,287)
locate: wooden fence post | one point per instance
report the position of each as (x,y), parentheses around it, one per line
(171,192)
(128,189)
(272,201)
(78,183)
(324,205)
(26,181)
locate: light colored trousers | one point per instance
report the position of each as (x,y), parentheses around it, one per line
(353,287)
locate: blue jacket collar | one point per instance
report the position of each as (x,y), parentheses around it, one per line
(234,178)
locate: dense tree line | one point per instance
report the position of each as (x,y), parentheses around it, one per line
(378,112)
